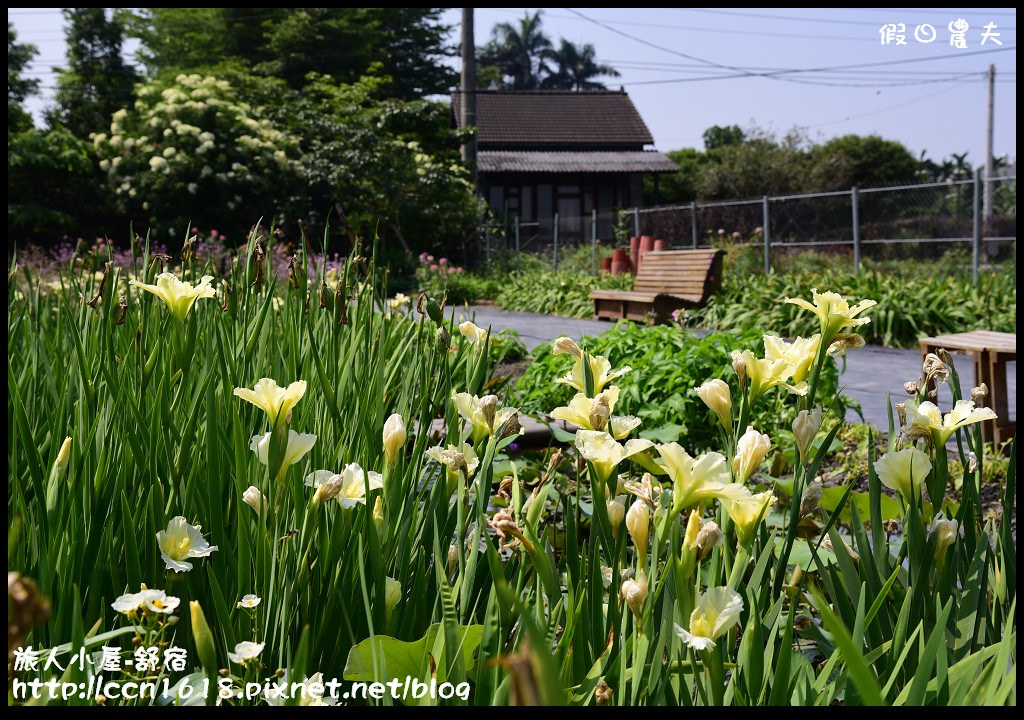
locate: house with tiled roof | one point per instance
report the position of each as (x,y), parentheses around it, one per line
(541,152)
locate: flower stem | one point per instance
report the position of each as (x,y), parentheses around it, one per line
(739,565)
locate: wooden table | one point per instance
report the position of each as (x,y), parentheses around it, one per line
(991,352)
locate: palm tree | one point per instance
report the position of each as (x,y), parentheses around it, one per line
(520,52)
(577,68)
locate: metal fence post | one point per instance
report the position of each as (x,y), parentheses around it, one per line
(976,235)
(556,242)
(693,222)
(518,265)
(854,203)
(593,238)
(767,239)
(636,222)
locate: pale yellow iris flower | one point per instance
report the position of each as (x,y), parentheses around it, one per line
(254,498)
(394,436)
(600,369)
(273,400)
(179,296)
(455,459)
(716,395)
(764,374)
(834,312)
(351,484)
(945,532)
(604,452)
(473,333)
(399,301)
(181,542)
(482,414)
(748,511)
(800,353)
(716,611)
(595,414)
(925,420)
(696,479)
(751,451)
(904,471)
(298,445)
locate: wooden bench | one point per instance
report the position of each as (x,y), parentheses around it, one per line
(666,280)
(991,352)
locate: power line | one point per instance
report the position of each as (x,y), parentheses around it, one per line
(729,31)
(820,83)
(665,65)
(790,18)
(776,74)
(936,11)
(886,109)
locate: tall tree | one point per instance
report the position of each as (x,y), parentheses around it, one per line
(407,45)
(97,81)
(520,51)
(862,160)
(576,68)
(718,136)
(19,88)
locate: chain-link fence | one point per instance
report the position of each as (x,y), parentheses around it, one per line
(847,228)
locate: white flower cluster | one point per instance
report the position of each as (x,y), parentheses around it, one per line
(189,134)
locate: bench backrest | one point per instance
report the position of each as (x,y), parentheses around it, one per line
(686,273)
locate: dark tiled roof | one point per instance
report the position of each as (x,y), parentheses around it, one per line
(625,161)
(556,119)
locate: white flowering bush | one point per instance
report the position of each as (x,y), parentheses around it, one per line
(190,150)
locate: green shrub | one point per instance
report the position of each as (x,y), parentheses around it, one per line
(667,365)
(555,293)
(908,308)
(438,277)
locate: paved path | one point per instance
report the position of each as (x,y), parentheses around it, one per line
(868,374)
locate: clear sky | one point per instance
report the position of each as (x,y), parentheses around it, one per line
(689,68)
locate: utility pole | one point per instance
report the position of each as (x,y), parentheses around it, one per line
(468,87)
(989,163)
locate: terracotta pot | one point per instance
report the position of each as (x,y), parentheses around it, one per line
(634,260)
(619,267)
(634,244)
(660,244)
(619,256)
(606,264)
(646,245)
